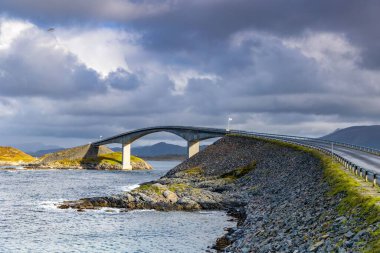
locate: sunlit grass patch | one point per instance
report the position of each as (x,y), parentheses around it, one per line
(114,158)
(10,154)
(196,171)
(239,172)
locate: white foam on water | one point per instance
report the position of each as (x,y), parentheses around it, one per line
(11,171)
(130,187)
(108,210)
(142,210)
(12,167)
(51,204)
(208,212)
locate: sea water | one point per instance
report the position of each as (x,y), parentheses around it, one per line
(31,222)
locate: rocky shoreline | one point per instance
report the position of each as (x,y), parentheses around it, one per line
(277,193)
(140,165)
(82,157)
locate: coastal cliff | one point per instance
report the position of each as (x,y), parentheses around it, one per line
(279,193)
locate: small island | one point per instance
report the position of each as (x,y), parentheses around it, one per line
(81,157)
(10,156)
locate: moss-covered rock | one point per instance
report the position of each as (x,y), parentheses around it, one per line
(239,172)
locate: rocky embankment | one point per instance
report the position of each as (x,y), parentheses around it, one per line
(278,194)
(88,157)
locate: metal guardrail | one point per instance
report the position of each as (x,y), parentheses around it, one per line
(366,174)
(317,140)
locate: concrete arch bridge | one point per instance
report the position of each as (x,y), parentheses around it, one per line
(193,135)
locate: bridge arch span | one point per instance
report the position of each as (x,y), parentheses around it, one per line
(193,135)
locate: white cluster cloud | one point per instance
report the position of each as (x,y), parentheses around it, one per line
(10,30)
(102,49)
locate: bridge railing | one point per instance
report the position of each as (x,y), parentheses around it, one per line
(366,174)
(317,140)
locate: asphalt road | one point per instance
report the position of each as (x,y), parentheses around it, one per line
(365,160)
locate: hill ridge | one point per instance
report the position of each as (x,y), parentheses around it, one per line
(368,136)
(10,154)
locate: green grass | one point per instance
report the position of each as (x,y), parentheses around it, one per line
(114,158)
(357,201)
(10,154)
(150,188)
(68,162)
(179,187)
(156,189)
(196,171)
(239,172)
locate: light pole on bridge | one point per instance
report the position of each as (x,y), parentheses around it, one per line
(228,123)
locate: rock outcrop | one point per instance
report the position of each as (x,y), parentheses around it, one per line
(76,153)
(89,157)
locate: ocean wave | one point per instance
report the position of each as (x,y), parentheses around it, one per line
(142,210)
(12,167)
(130,187)
(51,204)
(107,210)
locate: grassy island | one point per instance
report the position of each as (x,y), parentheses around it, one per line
(14,155)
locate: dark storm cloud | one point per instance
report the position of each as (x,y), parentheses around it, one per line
(123,80)
(72,12)
(193,63)
(150,100)
(198,26)
(191,26)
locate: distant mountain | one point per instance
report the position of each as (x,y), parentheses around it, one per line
(33,147)
(161,149)
(368,136)
(40,153)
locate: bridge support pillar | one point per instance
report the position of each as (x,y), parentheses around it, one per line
(192,148)
(127,156)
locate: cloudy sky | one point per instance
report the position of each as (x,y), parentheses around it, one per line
(293,67)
